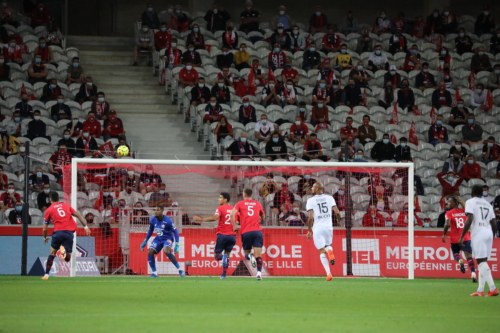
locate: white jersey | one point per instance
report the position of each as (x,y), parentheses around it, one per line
(483,214)
(322,205)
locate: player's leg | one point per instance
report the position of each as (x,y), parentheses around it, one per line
(328,248)
(481,250)
(168,252)
(258,242)
(154,248)
(467,251)
(320,242)
(455,249)
(55,243)
(247,241)
(67,245)
(219,248)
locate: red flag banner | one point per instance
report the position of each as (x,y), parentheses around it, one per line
(365,98)
(456,98)
(394,140)
(416,111)
(308,40)
(351,112)
(23,90)
(251,83)
(270,74)
(472,80)
(163,77)
(208,47)
(324,62)
(413,134)
(488,104)
(107,149)
(433,115)
(394,116)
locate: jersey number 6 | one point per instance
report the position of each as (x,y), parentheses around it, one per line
(61,212)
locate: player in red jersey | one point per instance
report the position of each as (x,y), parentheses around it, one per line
(455,220)
(226,237)
(61,215)
(251,214)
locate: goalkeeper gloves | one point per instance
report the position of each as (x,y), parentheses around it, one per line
(176,247)
(143,245)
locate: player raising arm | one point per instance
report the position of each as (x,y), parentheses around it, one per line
(320,208)
(481,221)
(455,219)
(226,237)
(165,231)
(61,214)
(251,214)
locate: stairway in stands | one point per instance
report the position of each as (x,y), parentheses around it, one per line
(152,123)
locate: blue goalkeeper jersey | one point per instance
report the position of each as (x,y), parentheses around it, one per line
(164,228)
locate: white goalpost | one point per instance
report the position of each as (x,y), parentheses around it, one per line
(213,177)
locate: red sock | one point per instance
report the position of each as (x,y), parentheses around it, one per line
(48,267)
(456,256)
(472,266)
(259,264)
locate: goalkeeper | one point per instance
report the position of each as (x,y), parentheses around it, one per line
(166,232)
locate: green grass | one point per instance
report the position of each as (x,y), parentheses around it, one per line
(140,304)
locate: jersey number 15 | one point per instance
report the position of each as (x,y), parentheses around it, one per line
(323,208)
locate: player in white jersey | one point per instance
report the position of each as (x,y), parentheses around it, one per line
(320,208)
(481,221)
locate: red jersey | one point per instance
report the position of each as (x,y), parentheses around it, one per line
(349,130)
(162,39)
(289,73)
(61,215)
(7,199)
(225,227)
(93,127)
(250,212)
(457,221)
(299,132)
(191,76)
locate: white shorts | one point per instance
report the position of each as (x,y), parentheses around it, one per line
(481,243)
(322,237)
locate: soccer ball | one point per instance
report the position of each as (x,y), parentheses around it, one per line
(122,151)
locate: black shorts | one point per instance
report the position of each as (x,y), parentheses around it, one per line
(64,238)
(252,239)
(224,243)
(455,247)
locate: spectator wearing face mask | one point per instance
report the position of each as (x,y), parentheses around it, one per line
(365,42)
(113,128)
(454,164)
(188,76)
(250,18)
(150,17)
(163,37)
(68,142)
(302,112)
(12,52)
(75,127)
(322,92)
(196,38)
(85,145)
(412,59)
(319,111)
(425,80)
(471,169)
(388,96)
(305,185)
(480,61)
(149,180)
(406,97)
(318,21)
(100,108)
(298,41)
(276,58)
(313,149)
(144,41)
(8,199)
(43,198)
(216,18)
(311,58)
(53,34)
(347,149)
(16,215)
(271,94)
(51,91)
(129,196)
(36,181)
(283,19)
(398,43)
(298,131)
(290,73)
(447,76)
(291,215)
(60,110)
(25,110)
(227,77)
(276,147)
(393,77)
(331,42)
(281,38)
(224,131)
(92,126)
(87,92)
(15,127)
(444,57)
(117,211)
(343,60)
(282,197)
(366,132)
(45,52)
(191,56)
(221,92)
(486,195)
(450,23)
(463,42)
(373,218)
(458,115)
(450,181)
(378,60)
(226,58)
(241,58)
(402,220)
(37,128)
(75,72)
(491,151)
(382,24)
(241,148)
(337,95)
(352,94)
(246,112)
(18,163)
(159,197)
(213,111)
(383,150)
(441,97)
(288,94)
(360,76)
(172,55)
(438,133)
(403,151)
(462,151)
(495,43)
(478,97)
(348,130)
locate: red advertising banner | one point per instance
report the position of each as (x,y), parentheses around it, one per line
(293,255)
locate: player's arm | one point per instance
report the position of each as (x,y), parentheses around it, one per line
(262,215)
(233,219)
(45,229)
(206,219)
(149,233)
(82,221)
(468,222)
(175,232)
(310,221)
(445,230)
(337,214)
(493,227)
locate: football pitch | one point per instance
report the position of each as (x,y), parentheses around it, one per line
(208,304)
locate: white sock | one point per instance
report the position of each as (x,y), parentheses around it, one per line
(328,248)
(485,272)
(324,261)
(154,272)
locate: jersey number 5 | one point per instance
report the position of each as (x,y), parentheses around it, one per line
(61,212)
(250,211)
(323,208)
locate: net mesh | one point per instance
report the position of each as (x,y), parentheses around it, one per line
(372,202)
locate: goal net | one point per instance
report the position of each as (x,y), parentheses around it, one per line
(374,237)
